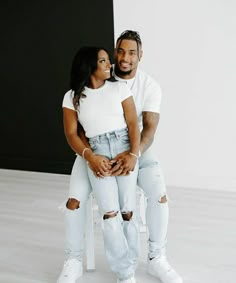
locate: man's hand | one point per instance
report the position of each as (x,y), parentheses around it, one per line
(123,164)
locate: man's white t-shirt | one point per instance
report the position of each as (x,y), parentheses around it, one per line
(101,110)
(146,93)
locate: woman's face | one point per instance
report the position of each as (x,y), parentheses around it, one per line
(103,66)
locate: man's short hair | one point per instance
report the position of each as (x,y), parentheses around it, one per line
(130,35)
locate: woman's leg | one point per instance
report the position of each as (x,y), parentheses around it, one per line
(115,242)
(75,220)
(75,213)
(116,195)
(127,199)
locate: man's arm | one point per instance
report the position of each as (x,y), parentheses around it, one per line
(150,123)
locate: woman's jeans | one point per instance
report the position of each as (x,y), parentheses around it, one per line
(117,195)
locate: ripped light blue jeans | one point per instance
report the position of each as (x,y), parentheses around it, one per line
(117,195)
(151,181)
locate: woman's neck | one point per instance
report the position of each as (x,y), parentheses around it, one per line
(96,83)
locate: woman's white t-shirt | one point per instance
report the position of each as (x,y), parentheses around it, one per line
(101,110)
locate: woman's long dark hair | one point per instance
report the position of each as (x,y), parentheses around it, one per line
(83,66)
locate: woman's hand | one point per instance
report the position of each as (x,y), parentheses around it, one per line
(100,165)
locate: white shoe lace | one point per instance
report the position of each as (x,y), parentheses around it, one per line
(160,268)
(163,263)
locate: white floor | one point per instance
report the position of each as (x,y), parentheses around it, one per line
(201,237)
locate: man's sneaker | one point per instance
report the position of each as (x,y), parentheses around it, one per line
(130,280)
(160,268)
(71,271)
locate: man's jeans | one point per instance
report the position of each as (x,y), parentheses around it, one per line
(151,181)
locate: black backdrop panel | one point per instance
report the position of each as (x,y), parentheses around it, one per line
(38,42)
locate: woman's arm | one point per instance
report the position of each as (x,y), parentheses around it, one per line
(82,135)
(129,158)
(132,124)
(97,163)
(70,129)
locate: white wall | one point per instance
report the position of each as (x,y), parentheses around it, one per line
(190,48)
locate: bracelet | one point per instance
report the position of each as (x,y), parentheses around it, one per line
(133,155)
(83,152)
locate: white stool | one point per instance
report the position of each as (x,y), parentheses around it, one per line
(90,251)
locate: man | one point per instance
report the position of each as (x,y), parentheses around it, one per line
(147,97)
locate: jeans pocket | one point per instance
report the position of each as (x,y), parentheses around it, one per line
(124,138)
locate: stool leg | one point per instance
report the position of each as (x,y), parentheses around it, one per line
(90,256)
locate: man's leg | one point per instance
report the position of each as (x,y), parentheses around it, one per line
(75,222)
(151,180)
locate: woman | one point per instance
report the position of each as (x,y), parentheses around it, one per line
(107,114)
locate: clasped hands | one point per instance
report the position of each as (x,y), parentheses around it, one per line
(123,164)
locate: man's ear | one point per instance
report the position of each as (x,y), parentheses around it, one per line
(140,54)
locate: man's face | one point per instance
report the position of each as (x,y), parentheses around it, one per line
(127,56)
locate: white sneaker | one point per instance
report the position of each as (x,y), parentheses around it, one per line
(161,269)
(130,280)
(71,271)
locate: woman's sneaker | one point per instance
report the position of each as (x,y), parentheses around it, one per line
(160,268)
(130,280)
(71,271)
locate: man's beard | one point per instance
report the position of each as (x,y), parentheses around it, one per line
(119,72)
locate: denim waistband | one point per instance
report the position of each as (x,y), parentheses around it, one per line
(113,134)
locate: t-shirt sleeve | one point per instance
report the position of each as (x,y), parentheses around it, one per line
(68,100)
(153,97)
(125,92)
